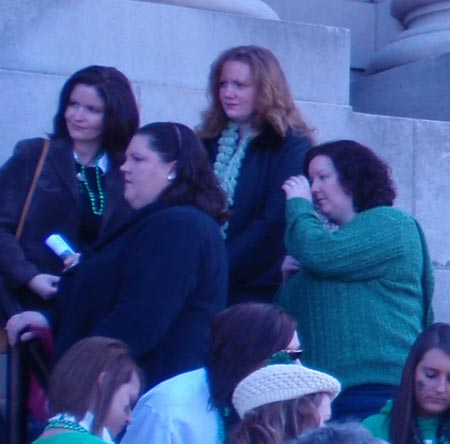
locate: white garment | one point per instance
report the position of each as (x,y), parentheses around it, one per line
(176,411)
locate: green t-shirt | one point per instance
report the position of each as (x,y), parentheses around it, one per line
(70,438)
(379,425)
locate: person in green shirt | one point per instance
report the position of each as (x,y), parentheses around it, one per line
(92,390)
(361,291)
(420,413)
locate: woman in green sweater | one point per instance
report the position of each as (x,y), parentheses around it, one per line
(420,413)
(361,293)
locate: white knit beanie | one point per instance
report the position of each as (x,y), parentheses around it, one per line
(280,383)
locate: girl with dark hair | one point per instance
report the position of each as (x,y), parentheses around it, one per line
(79,191)
(362,292)
(195,407)
(420,413)
(92,391)
(256,139)
(156,281)
(278,402)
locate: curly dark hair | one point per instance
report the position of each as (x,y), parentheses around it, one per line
(362,174)
(121,111)
(195,182)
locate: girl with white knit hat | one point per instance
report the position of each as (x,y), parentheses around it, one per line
(278,402)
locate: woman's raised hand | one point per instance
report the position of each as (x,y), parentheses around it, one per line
(297,186)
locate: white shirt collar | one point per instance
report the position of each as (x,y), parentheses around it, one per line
(86,423)
(101,161)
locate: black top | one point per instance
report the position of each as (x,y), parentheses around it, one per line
(55,208)
(256,227)
(154,283)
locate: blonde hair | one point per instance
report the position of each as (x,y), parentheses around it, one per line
(279,421)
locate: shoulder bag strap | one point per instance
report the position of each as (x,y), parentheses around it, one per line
(37,173)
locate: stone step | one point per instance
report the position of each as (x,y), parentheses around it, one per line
(402,91)
(160,44)
(167,50)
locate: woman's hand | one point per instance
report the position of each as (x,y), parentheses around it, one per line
(297,186)
(71,261)
(289,267)
(45,285)
(18,323)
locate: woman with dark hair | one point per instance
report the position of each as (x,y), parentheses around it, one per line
(363,291)
(92,391)
(156,281)
(278,402)
(256,139)
(420,413)
(195,407)
(79,191)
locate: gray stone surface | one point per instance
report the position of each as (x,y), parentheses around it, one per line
(370,22)
(387,27)
(41,43)
(153,53)
(431,181)
(441,302)
(252,8)
(420,89)
(163,64)
(426,34)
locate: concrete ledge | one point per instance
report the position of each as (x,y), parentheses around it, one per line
(402,91)
(358,17)
(432,193)
(252,8)
(170,45)
(441,302)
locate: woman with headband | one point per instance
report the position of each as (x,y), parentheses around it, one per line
(156,282)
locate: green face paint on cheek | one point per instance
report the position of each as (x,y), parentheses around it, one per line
(420,385)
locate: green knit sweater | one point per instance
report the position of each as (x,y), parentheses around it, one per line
(363,292)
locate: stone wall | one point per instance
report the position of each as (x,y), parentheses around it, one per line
(167,50)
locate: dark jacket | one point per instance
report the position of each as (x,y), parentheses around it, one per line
(55,208)
(155,283)
(256,227)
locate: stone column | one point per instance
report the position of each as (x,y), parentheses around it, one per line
(252,8)
(426,33)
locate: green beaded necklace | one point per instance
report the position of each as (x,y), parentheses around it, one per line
(222,432)
(96,209)
(66,424)
(228,162)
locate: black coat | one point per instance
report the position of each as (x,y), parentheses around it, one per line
(155,284)
(55,208)
(256,227)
